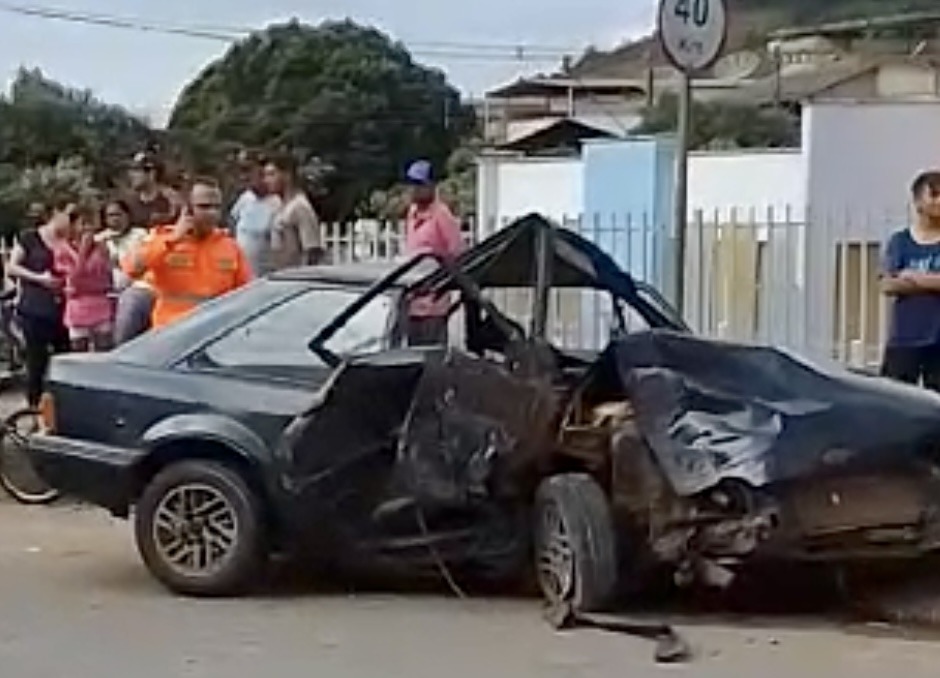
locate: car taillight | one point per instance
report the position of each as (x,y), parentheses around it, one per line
(47,412)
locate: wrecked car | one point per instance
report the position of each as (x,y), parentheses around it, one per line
(292,417)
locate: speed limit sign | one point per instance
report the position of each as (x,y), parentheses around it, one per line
(692,32)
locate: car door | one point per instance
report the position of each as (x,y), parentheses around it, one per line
(335,458)
(262,372)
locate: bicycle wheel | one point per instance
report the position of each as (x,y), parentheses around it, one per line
(17,475)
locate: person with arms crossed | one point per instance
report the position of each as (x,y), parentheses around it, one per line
(192,261)
(296,237)
(430,227)
(911,278)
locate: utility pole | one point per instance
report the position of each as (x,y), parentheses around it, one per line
(692,35)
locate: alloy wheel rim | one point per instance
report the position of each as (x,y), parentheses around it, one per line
(195,529)
(555,557)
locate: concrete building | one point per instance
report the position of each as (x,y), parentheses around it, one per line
(783,246)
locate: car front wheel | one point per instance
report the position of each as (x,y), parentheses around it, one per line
(575,543)
(199,530)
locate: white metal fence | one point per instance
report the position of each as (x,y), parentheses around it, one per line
(806,280)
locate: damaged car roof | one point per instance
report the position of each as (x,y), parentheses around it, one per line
(508,258)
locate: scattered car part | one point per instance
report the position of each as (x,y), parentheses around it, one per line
(671,648)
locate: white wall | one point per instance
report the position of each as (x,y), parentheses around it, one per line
(510,187)
(860,159)
(746,181)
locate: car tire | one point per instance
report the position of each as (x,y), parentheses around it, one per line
(575,543)
(199,530)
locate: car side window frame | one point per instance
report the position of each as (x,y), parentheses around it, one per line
(198,360)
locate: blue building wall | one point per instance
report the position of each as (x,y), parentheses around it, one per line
(627,203)
(628,212)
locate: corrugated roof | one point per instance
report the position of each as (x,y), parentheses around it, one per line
(547,85)
(567,133)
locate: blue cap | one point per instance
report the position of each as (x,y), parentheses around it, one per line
(420,173)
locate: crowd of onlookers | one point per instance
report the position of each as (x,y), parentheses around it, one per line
(89,277)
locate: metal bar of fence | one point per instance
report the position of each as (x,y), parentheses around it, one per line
(751,275)
(843,297)
(864,295)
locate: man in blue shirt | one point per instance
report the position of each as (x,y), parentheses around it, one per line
(911,277)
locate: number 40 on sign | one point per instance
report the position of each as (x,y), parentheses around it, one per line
(692,32)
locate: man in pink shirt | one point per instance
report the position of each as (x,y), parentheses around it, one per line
(430,227)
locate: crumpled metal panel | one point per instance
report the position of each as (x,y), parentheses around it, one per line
(473,428)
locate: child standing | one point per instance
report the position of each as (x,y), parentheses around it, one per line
(85,264)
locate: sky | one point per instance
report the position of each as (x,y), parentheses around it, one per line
(146,71)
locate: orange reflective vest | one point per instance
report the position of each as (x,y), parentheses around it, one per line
(185,273)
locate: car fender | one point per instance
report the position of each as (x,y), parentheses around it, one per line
(208,427)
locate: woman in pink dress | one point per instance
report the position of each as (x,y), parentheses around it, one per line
(85,264)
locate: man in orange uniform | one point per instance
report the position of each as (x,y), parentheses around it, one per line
(192,261)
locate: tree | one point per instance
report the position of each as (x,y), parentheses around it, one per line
(725,124)
(42,121)
(56,139)
(43,184)
(341,93)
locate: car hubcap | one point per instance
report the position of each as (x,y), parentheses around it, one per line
(555,560)
(195,529)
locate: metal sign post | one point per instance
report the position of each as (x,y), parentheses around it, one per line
(692,34)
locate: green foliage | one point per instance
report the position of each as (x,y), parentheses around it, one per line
(725,125)
(339,93)
(55,139)
(44,183)
(42,121)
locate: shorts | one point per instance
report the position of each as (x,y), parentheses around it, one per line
(919,365)
(101,329)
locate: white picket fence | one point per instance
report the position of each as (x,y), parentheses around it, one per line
(788,278)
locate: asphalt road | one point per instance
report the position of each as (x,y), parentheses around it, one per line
(77,603)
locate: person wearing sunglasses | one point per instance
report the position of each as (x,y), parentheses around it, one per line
(41,304)
(192,261)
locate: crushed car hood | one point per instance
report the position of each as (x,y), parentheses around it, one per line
(713,411)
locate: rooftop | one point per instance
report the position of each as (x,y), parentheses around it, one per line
(892,21)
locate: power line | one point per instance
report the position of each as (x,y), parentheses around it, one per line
(442,49)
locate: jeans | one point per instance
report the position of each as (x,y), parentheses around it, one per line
(132,317)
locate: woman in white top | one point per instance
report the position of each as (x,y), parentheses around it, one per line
(135,298)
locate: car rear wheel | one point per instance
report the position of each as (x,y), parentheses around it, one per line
(575,543)
(199,530)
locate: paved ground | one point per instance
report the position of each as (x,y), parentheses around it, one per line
(77,603)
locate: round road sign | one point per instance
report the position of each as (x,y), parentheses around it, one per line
(692,32)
